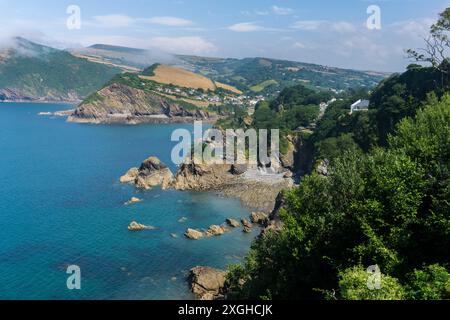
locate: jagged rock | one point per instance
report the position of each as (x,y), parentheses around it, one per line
(247,229)
(133,200)
(207,283)
(233,223)
(134,226)
(246,223)
(259,217)
(130,176)
(193,234)
(151,173)
(215,230)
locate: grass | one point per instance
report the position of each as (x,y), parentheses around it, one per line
(261,86)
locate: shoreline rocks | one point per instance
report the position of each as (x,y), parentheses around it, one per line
(259,218)
(151,173)
(215,231)
(233,223)
(193,234)
(207,283)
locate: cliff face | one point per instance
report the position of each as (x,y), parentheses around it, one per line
(18,95)
(119,103)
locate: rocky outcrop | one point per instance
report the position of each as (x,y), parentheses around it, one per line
(193,234)
(151,173)
(207,283)
(130,176)
(233,223)
(215,231)
(248,226)
(259,217)
(120,103)
(134,226)
(255,189)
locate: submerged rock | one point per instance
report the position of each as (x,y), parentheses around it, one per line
(207,283)
(193,234)
(134,226)
(233,223)
(133,200)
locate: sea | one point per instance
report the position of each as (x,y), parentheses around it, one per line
(61,205)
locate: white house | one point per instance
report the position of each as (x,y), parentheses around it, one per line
(360,105)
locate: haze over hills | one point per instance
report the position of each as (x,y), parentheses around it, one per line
(34,72)
(252,75)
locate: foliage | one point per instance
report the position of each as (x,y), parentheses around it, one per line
(429,283)
(388,207)
(353,286)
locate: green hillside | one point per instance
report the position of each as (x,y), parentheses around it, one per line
(34,71)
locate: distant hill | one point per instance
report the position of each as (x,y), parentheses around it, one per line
(253,76)
(33,72)
(128,59)
(270,76)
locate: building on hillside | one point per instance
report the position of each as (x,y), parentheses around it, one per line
(360,105)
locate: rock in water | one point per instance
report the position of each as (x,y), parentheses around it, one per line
(215,230)
(246,223)
(259,217)
(193,234)
(153,173)
(247,229)
(133,200)
(233,223)
(207,283)
(134,226)
(130,176)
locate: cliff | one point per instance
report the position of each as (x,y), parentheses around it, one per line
(120,103)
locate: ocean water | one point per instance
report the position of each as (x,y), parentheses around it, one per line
(61,204)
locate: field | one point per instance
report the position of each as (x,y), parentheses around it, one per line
(228,87)
(260,87)
(179,77)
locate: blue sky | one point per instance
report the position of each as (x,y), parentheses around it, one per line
(321,31)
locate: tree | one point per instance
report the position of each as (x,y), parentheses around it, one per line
(436,45)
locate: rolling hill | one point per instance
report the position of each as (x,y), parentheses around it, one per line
(33,72)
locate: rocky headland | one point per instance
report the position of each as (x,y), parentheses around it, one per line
(120,103)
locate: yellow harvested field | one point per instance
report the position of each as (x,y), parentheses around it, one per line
(179,77)
(228,87)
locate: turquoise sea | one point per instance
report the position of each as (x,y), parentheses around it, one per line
(61,204)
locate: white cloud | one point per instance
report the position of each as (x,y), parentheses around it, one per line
(323,25)
(113,21)
(282,11)
(246,27)
(170,21)
(308,25)
(183,45)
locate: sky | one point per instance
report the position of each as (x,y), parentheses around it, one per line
(327,32)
